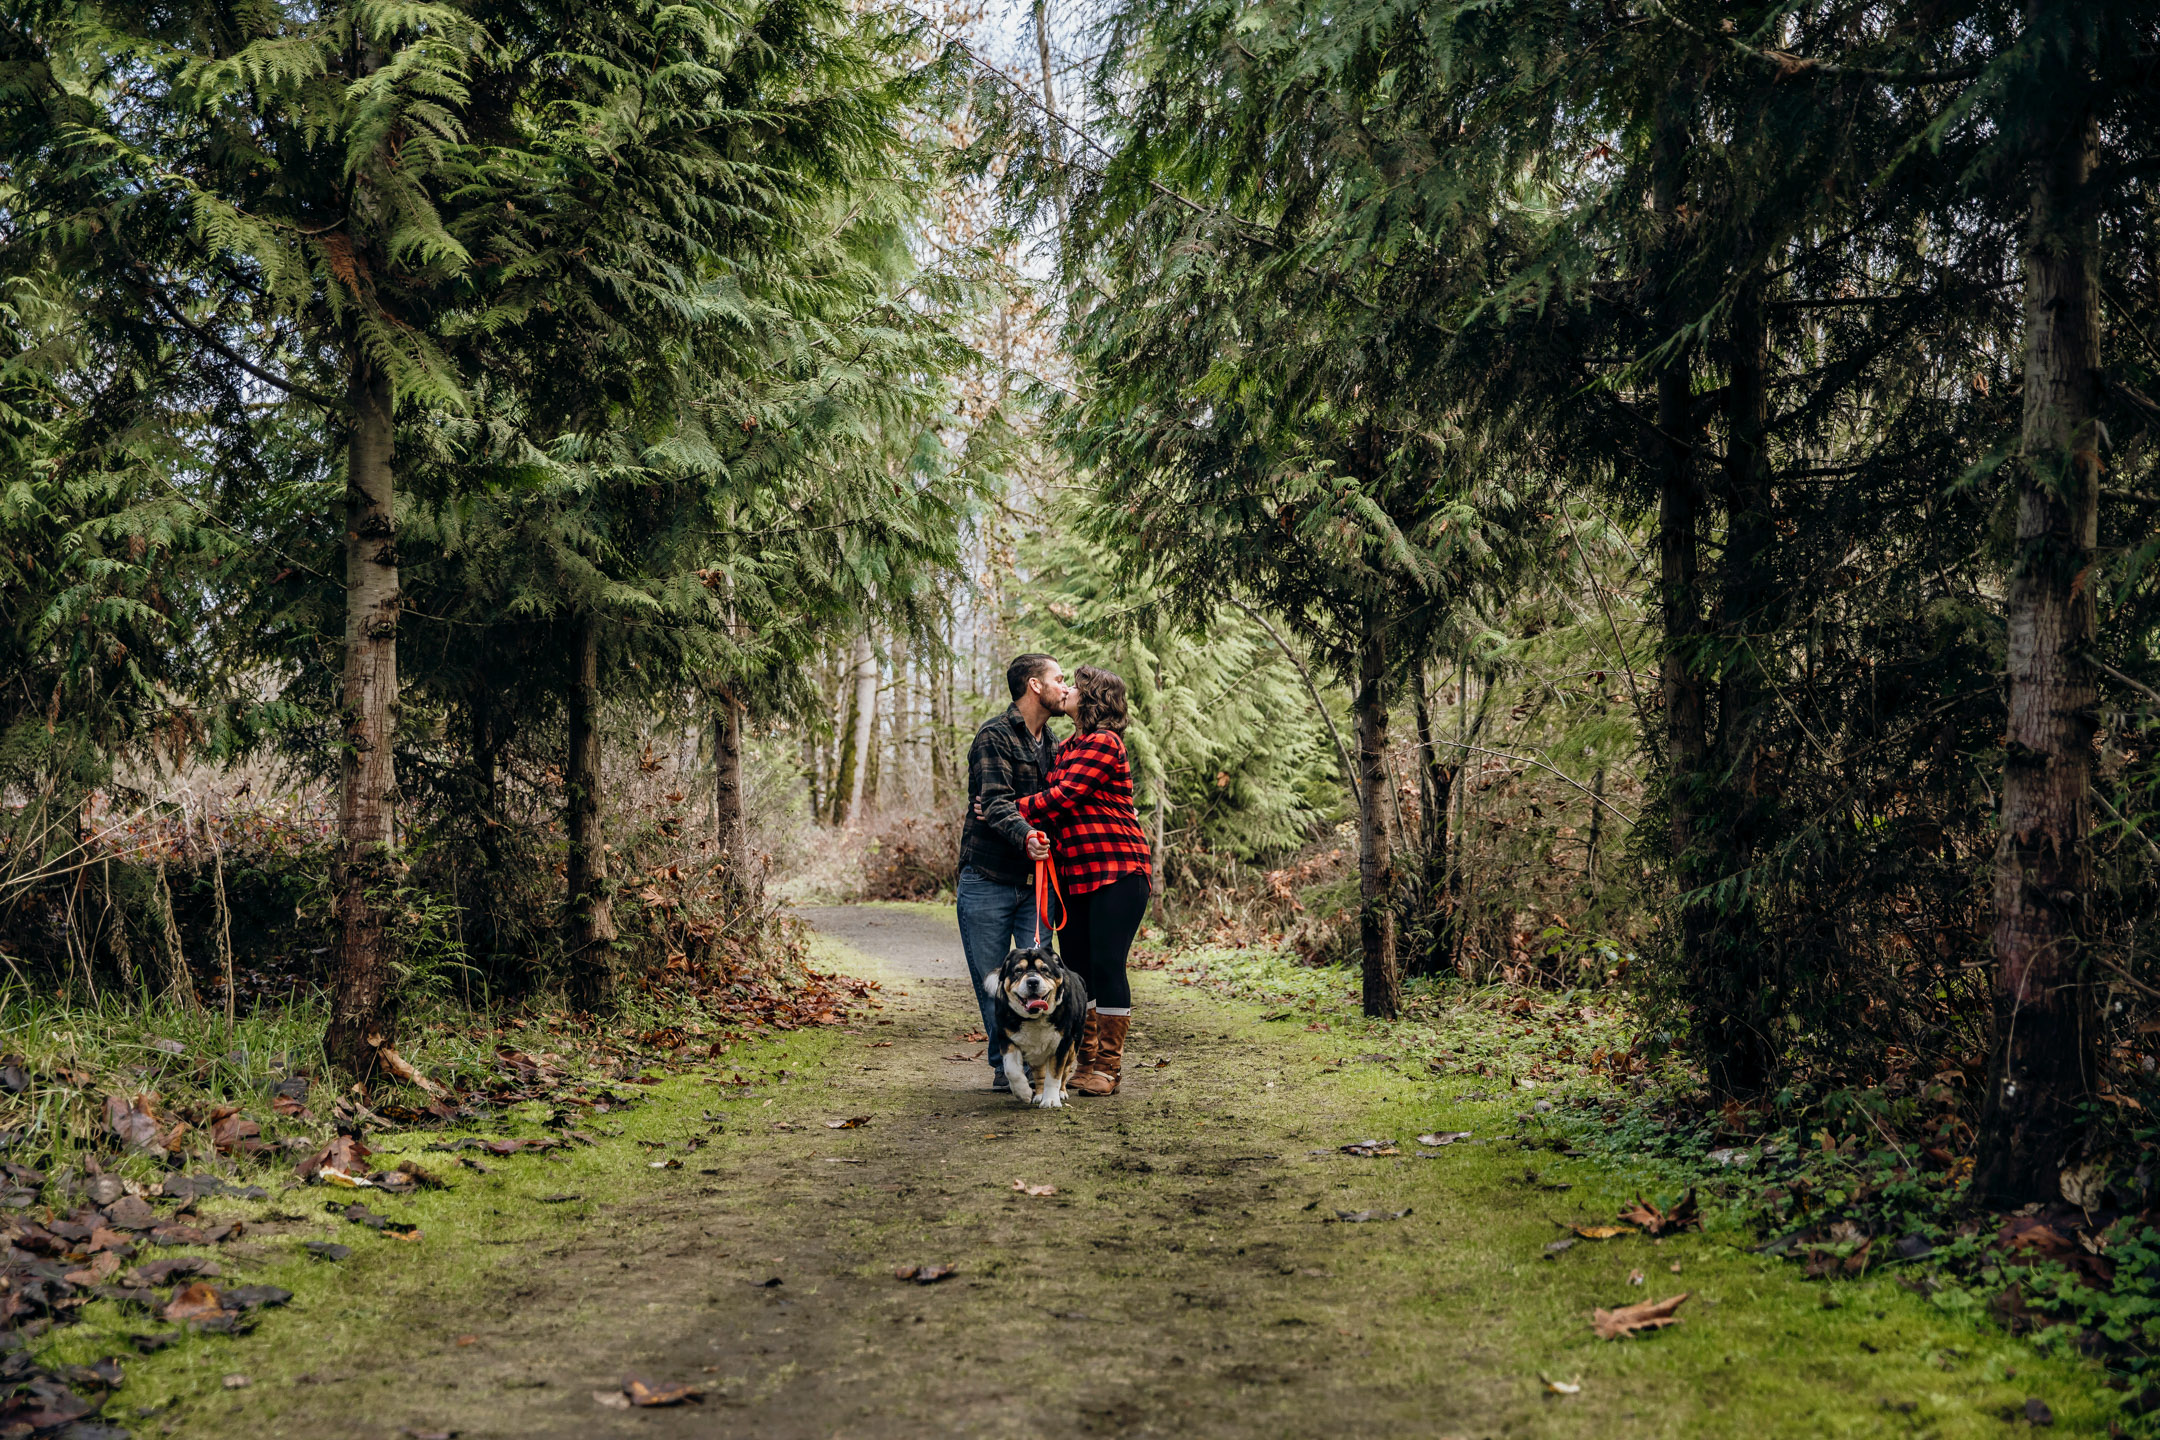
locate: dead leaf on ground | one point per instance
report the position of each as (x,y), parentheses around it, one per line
(1359,1217)
(237,1382)
(1635,1277)
(924,1274)
(1654,1221)
(650,1394)
(853,1122)
(1368,1149)
(346,1154)
(613,1399)
(1558,1247)
(1633,1319)
(1559,1387)
(1602,1232)
(880,1045)
(1443,1137)
(1026,1189)
(968,1039)
(326,1250)
(229,1131)
(133,1120)
(198,1301)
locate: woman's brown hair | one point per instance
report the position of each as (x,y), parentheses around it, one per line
(1102,700)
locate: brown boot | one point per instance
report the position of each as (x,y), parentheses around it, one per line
(1090,1039)
(1101,1078)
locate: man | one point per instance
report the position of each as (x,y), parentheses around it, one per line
(1010,757)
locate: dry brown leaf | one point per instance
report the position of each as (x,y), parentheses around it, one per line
(198,1301)
(647,1394)
(1602,1232)
(853,1122)
(924,1274)
(1026,1189)
(1631,1319)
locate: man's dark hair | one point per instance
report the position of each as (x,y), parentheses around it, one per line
(1024,669)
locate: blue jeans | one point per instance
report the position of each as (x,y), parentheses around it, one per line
(994,919)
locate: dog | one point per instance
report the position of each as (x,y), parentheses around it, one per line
(1042,1008)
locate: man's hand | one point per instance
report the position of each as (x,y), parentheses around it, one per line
(1038,845)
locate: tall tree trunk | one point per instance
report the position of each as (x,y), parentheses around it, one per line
(1376,867)
(1436,795)
(179,980)
(862,714)
(812,766)
(1734,992)
(1679,558)
(592,912)
(115,930)
(363,1014)
(2045,1028)
(941,720)
(731,832)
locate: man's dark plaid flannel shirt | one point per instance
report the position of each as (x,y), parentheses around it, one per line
(1004,763)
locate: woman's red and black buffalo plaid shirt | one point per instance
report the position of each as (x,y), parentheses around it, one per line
(1087,808)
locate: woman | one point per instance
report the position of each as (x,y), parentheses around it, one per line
(1102,866)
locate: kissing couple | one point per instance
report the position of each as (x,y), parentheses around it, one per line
(1032,798)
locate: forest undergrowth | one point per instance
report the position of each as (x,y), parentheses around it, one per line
(1842,1181)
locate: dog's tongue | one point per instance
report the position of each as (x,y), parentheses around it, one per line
(1036,1007)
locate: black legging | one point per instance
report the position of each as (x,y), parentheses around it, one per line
(1099,935)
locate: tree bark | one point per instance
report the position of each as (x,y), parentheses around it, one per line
(1376,869)
(2045,1026)
(1733,986)
(941,721)
(731,833)
(592,913)
(179,980)
(363,1014)
(115,930)
(1437,795)
(862,712)
(1679,555)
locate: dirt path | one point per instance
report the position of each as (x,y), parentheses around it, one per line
(1189,1278)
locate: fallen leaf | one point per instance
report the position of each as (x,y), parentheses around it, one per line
(1631,1319)
(2036,1409)
(1663,1222)
(647,1394)
(237,1382)
(198,1301)
(326,1250)
(853,1122)
(671,1163)
(1602,1232)
(345,1153)
(924,1274)
(1371,1148)
(250,1297)
(1444,1137)
(1559,1387)
(2084,1186)
(1554,1250)
(1026,1189)
(1635,1277)
(1359,1217)
(228,1130)
(613,1399)
(130,1212)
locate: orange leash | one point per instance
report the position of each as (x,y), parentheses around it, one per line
(1046,867)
